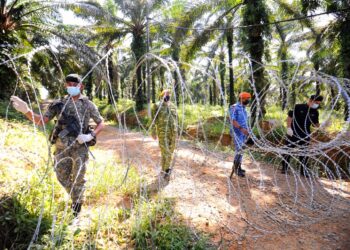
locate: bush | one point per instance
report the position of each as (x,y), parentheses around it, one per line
(18,224)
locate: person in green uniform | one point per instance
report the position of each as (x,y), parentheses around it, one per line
(71,135)
(164,116)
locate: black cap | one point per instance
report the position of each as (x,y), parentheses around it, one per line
(73,78)
(317,98)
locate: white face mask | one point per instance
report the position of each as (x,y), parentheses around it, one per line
(315,106)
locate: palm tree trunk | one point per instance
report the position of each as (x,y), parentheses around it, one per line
(138,48)
(284,77)
(111,80)
(88,86)
(144,81)
(122,87)
(153,83)
(214,92)
(255,13)
(222,70)
(229,38)
(317,63)
(176,57)
(210,95)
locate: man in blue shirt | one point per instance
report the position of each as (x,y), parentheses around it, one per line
(239,130)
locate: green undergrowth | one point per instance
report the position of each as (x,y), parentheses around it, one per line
(115,214)
(159,227)
(110,111)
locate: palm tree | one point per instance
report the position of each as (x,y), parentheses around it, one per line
(225,12)
(25,25)
(20,21)
(132,18)
(341,32)
(254,15)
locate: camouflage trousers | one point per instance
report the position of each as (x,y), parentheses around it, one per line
(70,168)
(167,147)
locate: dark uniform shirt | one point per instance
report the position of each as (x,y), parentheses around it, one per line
(303,117)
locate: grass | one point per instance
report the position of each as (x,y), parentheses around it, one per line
(161,228)
(111,177)
(30,192)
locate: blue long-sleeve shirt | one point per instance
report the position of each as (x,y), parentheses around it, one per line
(239,114)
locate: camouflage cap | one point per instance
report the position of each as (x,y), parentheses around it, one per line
(73,78)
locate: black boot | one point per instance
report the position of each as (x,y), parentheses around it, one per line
(236,168)
(241,169)
(76,207)
(167,173)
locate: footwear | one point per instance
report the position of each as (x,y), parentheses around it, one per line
(241,169)
(240,173)
(167,173)
(76,207)
(236,168)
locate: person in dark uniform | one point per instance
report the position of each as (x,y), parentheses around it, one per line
(299,124)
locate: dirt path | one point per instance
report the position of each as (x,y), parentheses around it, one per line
(265,210)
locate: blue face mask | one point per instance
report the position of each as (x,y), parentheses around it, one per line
(73,91)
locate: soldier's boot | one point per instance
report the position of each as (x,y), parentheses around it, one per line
(76,207)
(167,173)
(236,168)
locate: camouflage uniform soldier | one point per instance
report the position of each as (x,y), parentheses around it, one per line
(165,118)
(71,136)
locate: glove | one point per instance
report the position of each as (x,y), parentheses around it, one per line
(289,131)
(83,138)
(19,104)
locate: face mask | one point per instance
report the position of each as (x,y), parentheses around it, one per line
(73,91)
(246,102)
(166,98)
(314,106)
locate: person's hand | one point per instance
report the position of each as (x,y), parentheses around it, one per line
(290,131)
(83,138)
(244,131)
(19,104)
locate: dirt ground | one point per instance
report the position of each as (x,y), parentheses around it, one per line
(264,210)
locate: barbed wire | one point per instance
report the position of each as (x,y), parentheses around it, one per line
(265,201)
